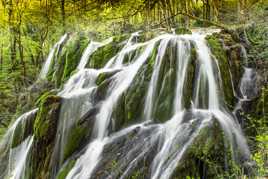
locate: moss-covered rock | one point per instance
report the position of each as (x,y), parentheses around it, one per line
(45,128)
(65,170)
(113,164)
(23,129)
(165,88)
(220,55)
(69,58)
(104,76)
(188,89)
(100,57)
(130,106)
(75,140)
(48,112)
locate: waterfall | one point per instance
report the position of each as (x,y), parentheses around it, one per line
(52,54)
(248,87)
(183,55)
(120,84)
(150,96)
(92,47)
(171,129)
(16,157)
(166,61)
(77,93)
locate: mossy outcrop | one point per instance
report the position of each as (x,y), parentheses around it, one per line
(114,163)
(69,58)
(208,155)
(224,64)
(23,129)
(66,169)
(77,138)
(100,57)
(45,128)
(130,108)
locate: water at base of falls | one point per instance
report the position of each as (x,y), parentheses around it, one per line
(170,139)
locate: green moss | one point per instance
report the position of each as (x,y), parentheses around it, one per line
(76,136)
(136,175)
(165,89)
(43,97)
(113,165)
(208,156)
(69,58)
(48,104)
(66,169)
(73,56)
(2,132)
(100,57)
(189,79)
(163,110)
(129,109)
(22,130)
(17,139)
(104,76)
(221,56)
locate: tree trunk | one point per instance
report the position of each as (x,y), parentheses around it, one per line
(62,8)
(1,58)
(240,11)
(12,38)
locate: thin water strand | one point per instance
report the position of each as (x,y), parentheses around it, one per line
(50,57)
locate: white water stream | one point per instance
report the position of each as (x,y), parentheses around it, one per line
(53,52)
(171,129)
(176,134)
(17,156)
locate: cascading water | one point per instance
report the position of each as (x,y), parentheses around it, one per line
(154,79)
(170,63)
(77,93)
(248,87)
(53,52)
(14,158)
(92,47)
(120,84)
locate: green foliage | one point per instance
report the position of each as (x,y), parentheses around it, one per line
(257,127)
(261,154)
(137,175)
(258,37)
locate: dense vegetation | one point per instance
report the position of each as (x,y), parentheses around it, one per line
(28,29)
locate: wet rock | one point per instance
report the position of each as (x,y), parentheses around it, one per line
(45,128)
(100,57)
